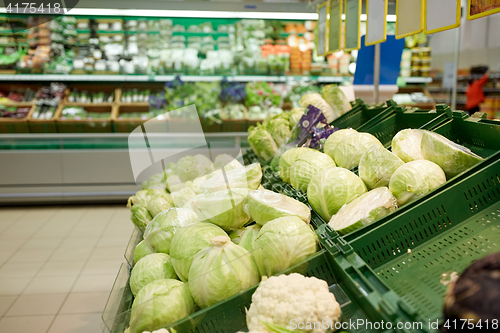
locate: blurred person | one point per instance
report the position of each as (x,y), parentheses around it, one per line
(475,94)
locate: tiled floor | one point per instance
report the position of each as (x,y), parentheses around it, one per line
(57,266)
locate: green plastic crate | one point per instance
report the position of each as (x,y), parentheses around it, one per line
(362,116)
(358,291)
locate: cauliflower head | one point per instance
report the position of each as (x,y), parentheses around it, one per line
(281,299)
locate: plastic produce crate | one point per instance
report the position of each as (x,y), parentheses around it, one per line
(416,252)
(362,117)
(359,292)
(101,125)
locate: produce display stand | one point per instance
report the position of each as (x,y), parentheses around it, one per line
(17,125)
(101,125)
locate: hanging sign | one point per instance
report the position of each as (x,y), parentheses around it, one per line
(322,27)
(376,22)
(409,17)
(441,15)
(352,25)
(335,26)
(481,8)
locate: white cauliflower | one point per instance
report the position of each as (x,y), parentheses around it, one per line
(288,299)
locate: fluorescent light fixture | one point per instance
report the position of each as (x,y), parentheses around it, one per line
(390,18)
(189,13)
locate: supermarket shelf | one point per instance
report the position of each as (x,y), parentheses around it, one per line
(418,79)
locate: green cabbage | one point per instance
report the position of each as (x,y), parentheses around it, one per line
(332,188)
(174,183)
(223,208)
(335,97)
(140,216)
(295,116)
(191,167)
(187,242)
(350,149)
(334,139)
(226,161)
(451,157)
(415,179)
(245,237)
(261,142)
(181,197)
(140,198)
(406,144)
(161,229)
(279,129)
(264,206)
(377,166)
(317,101)
(152,267)
(306,166)
(157,205)
(364,210)
(160,303)
(249,177)
(221,270)
(282,243)
(287,159)
(141,250)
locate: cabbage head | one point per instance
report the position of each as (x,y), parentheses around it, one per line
(244,237)
(262,143)
(152,267)
(334,139)
(174,183)
(279,130)
(450,156)
(415,179)
(336,98)
(140,216)
(264,206)
(157,205)
(288,158)
(332,188)
(220,271)
(140,198)
(187,242)
(348,152)
(226,161)
(249,177)
(159,304)
(154,182)
(141,250)
(364,210)
(161,229)
(306,166)
(295,116)
(317,101)
(191,167)
(222,208)
(406,144)
(377,166)
(181,197)
(282,243)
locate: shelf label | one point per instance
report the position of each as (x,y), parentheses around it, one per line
(352,25)
(335,26)
(441,15)
(410,20)
(322,29)
(376,22)
(448,81)
(482,8)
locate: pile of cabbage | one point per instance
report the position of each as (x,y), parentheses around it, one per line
(215,235)
(420,161)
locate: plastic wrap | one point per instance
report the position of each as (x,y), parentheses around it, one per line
(152,267)
(331,189)
(141,250)
(364,210)
(306,166)
(415,179)
(287,160)
(450,156)
(334,139)
(161,229)
(377,166)
(406,144)
(262,143)
(349,150)
(249,177)
(182,196)
(317,101)
(264,206)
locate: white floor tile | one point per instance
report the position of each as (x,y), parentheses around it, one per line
(50,284)
(44,243)
(116,241)
(80,242)
(85,303)
(68,254)
(105,267)
(25,324)
(37,304)
(13,286)
(20,269)
(5,303)
(94,283)
(38,255)
(110,253)
(77,323)
(62,268)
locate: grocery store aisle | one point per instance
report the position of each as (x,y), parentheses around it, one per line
(57,266)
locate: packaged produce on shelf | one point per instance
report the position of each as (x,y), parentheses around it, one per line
(351,148)
(18,95)
(377,166)
(406,144)
(14,112)
(47,100)
(313,304)
(90,97)
(306,166)
(79,113)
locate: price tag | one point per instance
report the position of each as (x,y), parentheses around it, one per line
(410,20)
(441,15)
(352,25)
(322,29)
(335,25)
(376,22)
